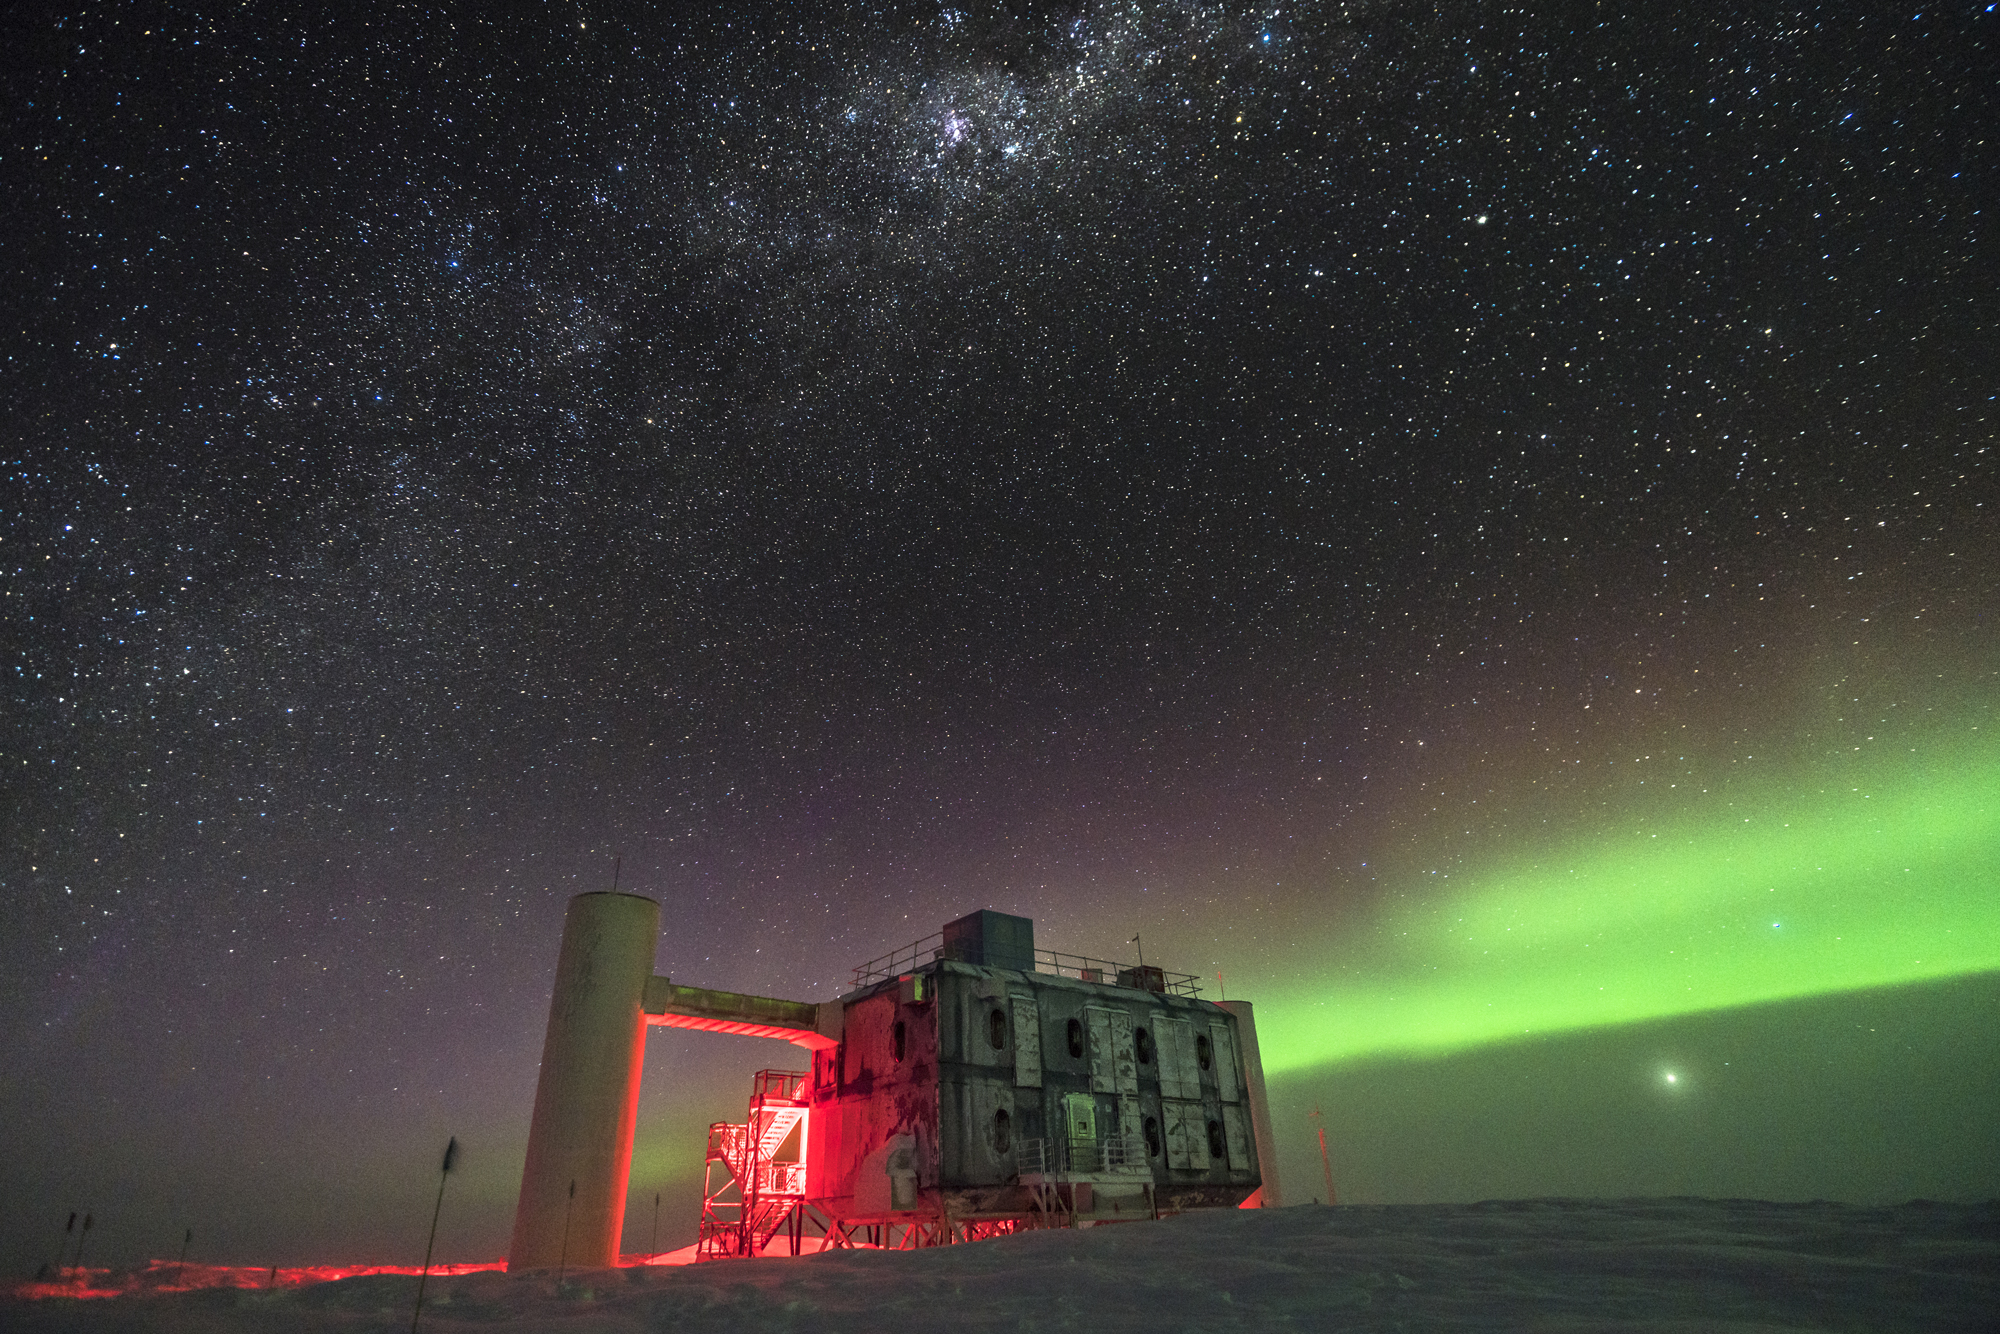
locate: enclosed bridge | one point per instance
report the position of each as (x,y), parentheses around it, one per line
(967,1085)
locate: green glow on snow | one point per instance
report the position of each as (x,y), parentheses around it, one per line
(1877,883)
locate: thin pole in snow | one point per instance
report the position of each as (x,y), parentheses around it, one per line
(450,1153)
(181,1263)
(653,1247)
(88,1219)
(62,1249)
(1326,1164)
(562,1266)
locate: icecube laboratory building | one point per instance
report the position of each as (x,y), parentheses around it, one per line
(965,1086)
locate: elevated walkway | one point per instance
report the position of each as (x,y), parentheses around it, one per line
(667,1004)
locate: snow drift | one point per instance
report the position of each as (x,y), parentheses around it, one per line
(1572,1265)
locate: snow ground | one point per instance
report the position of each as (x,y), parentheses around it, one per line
(1575,1266)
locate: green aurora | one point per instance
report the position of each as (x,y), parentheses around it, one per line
(1889,874)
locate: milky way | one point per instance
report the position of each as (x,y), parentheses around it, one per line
(1237,475)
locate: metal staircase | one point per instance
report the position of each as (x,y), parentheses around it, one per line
(759,1195)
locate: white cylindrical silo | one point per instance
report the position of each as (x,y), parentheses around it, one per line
(572,1205)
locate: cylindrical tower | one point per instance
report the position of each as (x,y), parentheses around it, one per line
(572,1205)
(1260,1104)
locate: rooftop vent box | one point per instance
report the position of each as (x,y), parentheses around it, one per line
(1146,977)
(992,940)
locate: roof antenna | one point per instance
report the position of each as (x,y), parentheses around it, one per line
(617,865)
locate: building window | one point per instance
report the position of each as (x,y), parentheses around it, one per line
(1076,1037)
(901,1036)
(1142,1045)
(1204,1050)
(996,1028)
(1003,1131)
(1152,1137)
(1216,1147)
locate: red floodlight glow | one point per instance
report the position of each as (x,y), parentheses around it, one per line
(810,1041)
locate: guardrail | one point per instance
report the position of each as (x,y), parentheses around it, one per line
(1114,1155)
(778,1085)
(1142,977)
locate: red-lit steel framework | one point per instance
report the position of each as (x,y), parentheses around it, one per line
(760,1194)
(924,1232)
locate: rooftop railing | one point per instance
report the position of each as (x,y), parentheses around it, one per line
(1142,977)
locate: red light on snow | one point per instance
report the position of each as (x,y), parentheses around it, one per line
(167,1276)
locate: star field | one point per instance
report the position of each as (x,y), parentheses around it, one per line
(1223,471)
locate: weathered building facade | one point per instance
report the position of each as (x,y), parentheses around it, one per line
(964,1089)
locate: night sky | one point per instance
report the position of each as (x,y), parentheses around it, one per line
(1475,524)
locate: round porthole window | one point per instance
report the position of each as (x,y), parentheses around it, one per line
(1142,1045)
(996,1028)
(1003,1131)
(1204,1050)
(1216,1148)
(1076,1037)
